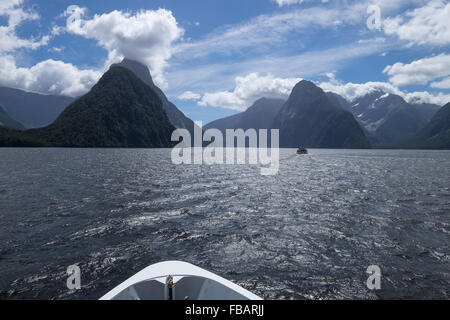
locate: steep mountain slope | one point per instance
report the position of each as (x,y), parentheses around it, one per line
(400,122)
(176,117)
(309,118)
(436,134)
(7,121)
(259,116)
(31,109)
(338,100)
(119,111)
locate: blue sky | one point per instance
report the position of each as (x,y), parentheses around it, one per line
(214,58)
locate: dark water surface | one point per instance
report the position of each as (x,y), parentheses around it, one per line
(309,232)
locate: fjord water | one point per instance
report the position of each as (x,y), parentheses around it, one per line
(309,232)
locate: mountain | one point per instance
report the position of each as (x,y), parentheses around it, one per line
(338,100)
(310,119)
(7,121)
(426,110)
(119,111)
(386,118)
(402,121)
(436,134)
(259,116)
(31,109)
(176,117)
(16,138)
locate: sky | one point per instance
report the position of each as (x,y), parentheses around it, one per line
(214,58)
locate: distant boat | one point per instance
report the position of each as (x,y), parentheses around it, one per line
(177,280)
(302,150)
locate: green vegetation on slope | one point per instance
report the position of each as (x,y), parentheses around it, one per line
(119,111)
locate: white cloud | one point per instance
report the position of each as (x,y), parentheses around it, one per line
(265,31)
(426,97)
(189,95)
(213,77)
(427,25)
(443,84)
(419,72)
(57,49)
(16,14)
(290,2)
(351,91)
(287,2)
(146,36)
(248,89)
(50,76)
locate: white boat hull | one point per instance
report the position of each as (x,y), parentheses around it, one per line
(190,283)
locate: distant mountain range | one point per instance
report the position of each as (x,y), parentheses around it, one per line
(32,110)
(126,109)
(119,111)
(307,118)
(387,118)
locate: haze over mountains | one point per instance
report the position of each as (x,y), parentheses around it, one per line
(7,121)
(260,115)
(32,110)
(126,109)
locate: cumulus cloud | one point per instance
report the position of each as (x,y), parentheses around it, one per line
(351,91)
(16,14)
(419,72)
(443,84)
(427,25)
(50,76)
(145,36)
(248,89)
(189,95)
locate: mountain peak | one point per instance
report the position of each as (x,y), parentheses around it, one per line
(305,89)
(309,118)
(176,117)
(138,68)
(119,111)
(305,84)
